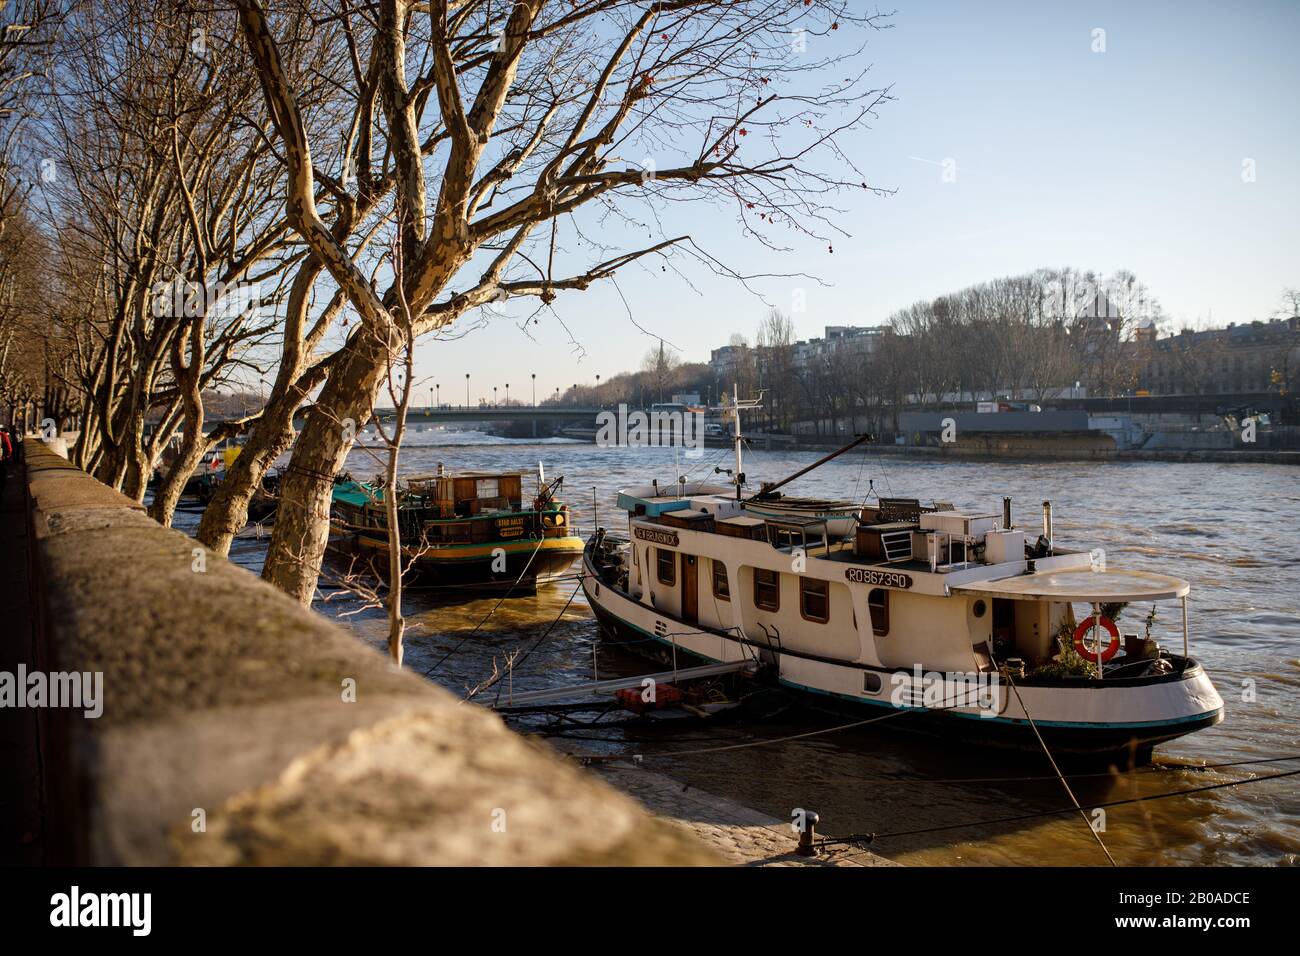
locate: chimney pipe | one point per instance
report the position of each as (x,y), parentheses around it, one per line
(1047,524)
(1006,514)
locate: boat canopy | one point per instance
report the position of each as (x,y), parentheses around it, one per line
(654,500)
(1090,586)
(357,494)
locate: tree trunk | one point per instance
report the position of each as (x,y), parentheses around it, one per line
(168,493)
(227,512)
(193,448)
(302,516)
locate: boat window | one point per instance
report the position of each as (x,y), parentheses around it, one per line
(878,604)
(487,488)
(814,600)
(721,589)
(666,566)
(870,682)
(767,589)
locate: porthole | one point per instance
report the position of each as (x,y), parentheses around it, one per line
(870,682)
(980,607)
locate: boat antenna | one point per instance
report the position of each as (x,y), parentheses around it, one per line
(732,410)
(768,488)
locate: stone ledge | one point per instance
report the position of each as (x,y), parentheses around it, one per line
(221,695)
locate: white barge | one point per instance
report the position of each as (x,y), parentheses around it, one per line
(960,624)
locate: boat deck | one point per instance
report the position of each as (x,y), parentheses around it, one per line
(840,551)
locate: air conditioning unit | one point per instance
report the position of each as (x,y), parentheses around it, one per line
(1003,546)
(957,523)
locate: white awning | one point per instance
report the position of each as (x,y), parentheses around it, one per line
(1093,587)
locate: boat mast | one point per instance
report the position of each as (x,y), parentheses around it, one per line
(734,410)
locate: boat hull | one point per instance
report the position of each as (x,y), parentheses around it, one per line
(480,566)
(1074,719)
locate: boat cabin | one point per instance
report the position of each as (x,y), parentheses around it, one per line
(959,591)
(471,493)
(446,509)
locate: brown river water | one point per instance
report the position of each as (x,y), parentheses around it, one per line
(1233,530)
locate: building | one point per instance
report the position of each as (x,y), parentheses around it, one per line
(1252,357)
(724,363)
(815,353)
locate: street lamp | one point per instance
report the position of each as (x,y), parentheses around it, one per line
(467,389)
(494,396)
(598,391)
(431,399)
(439,388)
(534,390)
(507,394)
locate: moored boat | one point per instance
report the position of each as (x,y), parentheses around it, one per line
(473,528)
(961,624)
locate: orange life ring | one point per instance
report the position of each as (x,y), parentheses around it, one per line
(1082,630)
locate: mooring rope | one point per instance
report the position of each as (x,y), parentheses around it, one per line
(1096,806)
(1052,760)
(461,642)
(546,634)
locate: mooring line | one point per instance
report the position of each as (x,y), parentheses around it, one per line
(538,643)
(766,741)
(461,643)
(1052,760)
(1096,806)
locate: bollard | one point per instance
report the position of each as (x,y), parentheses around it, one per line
(807,834)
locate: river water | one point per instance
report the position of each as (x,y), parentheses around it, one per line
(1231,529)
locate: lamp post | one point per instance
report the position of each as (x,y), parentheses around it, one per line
(439,390)
(494,396)
(534,390)
(467,389)
(507,394)
(430,399)
(598,391)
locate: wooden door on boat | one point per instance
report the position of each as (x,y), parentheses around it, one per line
(690,588)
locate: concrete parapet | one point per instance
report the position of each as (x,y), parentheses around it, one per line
(240,728)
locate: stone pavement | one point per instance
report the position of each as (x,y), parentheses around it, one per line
(739,835)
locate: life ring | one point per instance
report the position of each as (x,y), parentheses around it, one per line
(1085,626)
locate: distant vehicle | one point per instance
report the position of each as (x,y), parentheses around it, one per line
(714,428)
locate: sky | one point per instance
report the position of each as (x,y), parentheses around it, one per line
(1174,153)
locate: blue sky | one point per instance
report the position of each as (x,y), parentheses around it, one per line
(1129,158)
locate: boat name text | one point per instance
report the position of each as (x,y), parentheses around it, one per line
(888,579)
(657,537)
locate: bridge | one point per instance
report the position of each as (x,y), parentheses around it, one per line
(444,414)
(493,413)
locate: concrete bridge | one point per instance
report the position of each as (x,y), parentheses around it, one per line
(572,414)
(465,414)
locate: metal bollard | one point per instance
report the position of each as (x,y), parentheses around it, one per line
(807,834)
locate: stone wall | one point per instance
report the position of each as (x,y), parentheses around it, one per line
(229,732)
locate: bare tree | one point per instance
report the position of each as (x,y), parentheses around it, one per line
(775,344)
(538,107)
(659,367)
